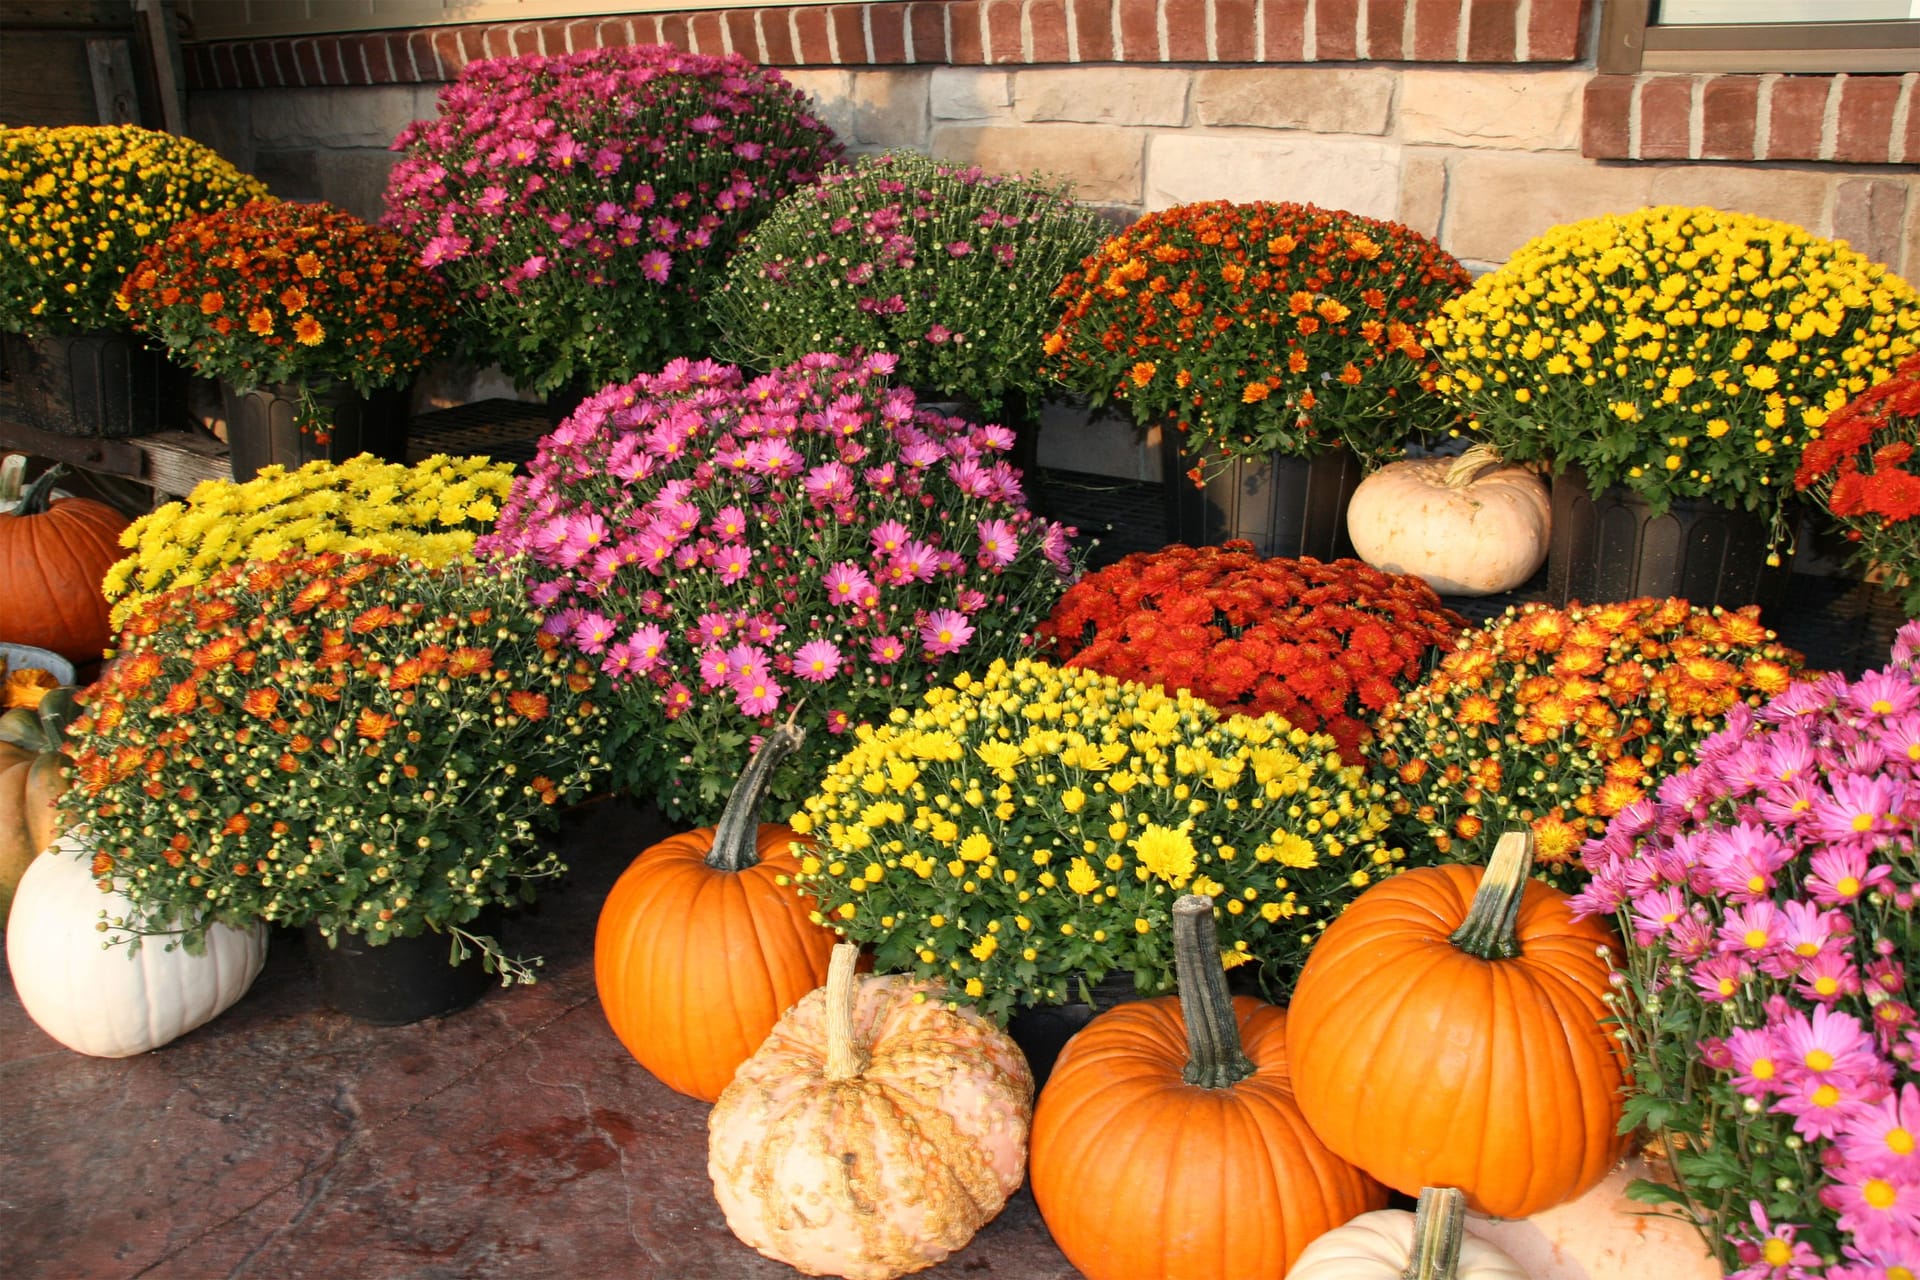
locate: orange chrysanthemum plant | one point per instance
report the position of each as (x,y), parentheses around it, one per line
(1561,718)
(1862,468)
(356,742)
(1327,646)
(276,292)
(1261,328)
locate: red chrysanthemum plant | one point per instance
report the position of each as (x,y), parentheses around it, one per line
(1862,469)
(1327,645)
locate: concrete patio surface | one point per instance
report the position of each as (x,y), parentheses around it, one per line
(513,1139)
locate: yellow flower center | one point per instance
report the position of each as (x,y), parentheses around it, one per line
(1862,821)
(1900,1141)
(1756,938)
(1778,1253)
(1819,1060)
(1847,887)
(1762,1069)
(1825,1096)
(1878,1193)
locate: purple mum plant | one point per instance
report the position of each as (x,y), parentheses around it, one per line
(581,207)
(1766,995)
(950,268)
(803,545)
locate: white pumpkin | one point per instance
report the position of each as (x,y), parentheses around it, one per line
(1388,1244)
(99,1000)
(1470,526)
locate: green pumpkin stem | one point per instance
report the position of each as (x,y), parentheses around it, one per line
(846,1056)
(38,494)
(1439,1226)
(1490,928)
(1215,1059)
(736,843)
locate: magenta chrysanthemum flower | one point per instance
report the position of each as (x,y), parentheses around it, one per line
(1860,808)
(593,632)
(846,584)
(1771,1251)
(945,631)
(886,650)
(757,695)
(817,660)
(1885,1141)
(715,669)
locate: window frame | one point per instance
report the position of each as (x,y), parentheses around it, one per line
(1630,43)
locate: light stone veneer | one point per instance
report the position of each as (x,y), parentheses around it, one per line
(1362,177)
(1103,163)
(1103,95)
(326,118)
(1319,99)
(1525,110)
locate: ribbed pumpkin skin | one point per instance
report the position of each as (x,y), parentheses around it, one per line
(51,565)
(105,1002)
(695,965)
(1428,1066)
(887,1172)
(1141,1176)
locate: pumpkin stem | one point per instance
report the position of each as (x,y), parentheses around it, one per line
(735,843)
(846,1056)
(1468,466)
(1215,1059)
(1490,928)
(34,501)
(1439,1226)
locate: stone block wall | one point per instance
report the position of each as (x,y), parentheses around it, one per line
(1479,122)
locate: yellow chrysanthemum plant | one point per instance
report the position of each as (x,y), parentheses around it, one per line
(1686,353)
(429,512)
(80,204)
(1027,831)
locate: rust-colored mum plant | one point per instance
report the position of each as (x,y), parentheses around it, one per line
(1862,468)
(1561,718)
(361,743)
(1327,646)
(275,292)
(1261,328)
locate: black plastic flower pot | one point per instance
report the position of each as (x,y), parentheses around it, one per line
(264,426)
(402,981)
(1042,1030)
(1610,546)
(1284,506)
(103,383)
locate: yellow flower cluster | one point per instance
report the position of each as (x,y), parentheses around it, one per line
(78,205)
(1688,353)
(1039,822)
(430,512)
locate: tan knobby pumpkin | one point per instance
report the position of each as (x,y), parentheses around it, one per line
(1470,526)
(875,1130)
(31,784)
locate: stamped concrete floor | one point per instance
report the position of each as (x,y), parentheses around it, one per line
(516,1138)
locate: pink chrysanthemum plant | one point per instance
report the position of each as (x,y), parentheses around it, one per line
(1766,994)
(805,545)
(581,208)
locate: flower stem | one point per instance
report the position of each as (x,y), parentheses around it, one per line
(1439,1226)
(735,840)
(1215,1059)
(846,1057)
(1489,930)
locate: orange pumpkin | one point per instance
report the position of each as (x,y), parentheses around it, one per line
(52,558)
(1167,1144)
(874,1132)
(701,946)
(1448,1032)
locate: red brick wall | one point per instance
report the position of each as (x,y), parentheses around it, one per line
(960,33)
(1838,118)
